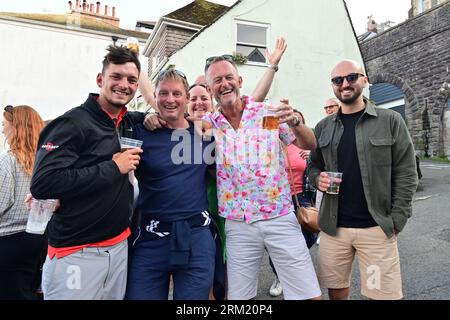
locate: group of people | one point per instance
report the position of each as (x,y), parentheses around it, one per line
(212,174)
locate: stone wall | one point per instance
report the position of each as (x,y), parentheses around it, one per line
(415,56)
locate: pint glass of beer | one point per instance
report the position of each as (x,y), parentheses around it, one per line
(270,120)
(133,44)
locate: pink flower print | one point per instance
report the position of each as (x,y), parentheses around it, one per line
(222,175)
(265,209)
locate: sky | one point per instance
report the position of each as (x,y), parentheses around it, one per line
(151,10)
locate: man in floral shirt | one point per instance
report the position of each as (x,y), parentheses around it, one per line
(253,188)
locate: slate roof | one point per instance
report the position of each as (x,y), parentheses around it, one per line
(200,12)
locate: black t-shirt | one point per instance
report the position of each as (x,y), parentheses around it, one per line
(353,211)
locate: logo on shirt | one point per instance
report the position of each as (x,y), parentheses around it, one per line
(49,146)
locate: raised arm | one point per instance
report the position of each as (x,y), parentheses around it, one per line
(147,90)
(264,84)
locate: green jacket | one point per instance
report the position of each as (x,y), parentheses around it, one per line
(387,163)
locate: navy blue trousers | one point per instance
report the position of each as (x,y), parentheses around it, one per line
(150,269)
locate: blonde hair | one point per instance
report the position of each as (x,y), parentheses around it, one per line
(26,125)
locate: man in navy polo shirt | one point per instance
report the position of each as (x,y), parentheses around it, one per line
(173,237)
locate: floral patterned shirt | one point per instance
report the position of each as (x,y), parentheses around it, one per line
(251,177)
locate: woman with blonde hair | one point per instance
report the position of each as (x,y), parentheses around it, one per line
(20,252)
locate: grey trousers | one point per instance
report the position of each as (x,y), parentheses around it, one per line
(95,273)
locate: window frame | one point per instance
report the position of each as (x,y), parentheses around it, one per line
(255,24)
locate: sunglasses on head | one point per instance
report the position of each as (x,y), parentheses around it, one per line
(211,60)
(351,78)
(178,72)
(9,108)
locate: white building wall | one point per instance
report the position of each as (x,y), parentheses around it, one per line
(318,34)
(52,69)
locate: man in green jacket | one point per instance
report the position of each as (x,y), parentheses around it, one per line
(373,149)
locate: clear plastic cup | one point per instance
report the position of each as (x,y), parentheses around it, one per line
(128,143)
(335,182)
(40,213)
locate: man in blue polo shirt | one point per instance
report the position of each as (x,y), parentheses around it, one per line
(173,237)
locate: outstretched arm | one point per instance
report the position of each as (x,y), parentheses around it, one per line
(147,90)
(263,86)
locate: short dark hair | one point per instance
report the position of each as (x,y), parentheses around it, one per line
(120,55)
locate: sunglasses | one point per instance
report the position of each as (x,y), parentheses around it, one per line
(332,106)
(351,78)
(211,60)
(9,108)
(162,73)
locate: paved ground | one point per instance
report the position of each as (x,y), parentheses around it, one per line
(424,244)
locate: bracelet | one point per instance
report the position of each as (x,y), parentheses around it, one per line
(274,67)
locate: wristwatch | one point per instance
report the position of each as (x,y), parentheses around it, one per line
(274,67)
(296,122)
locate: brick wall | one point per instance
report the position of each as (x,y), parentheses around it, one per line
(415,56)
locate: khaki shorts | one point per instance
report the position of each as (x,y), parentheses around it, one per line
(379,262)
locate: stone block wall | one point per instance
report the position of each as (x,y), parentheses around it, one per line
(415,57)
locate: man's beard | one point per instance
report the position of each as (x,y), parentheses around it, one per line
(355,96)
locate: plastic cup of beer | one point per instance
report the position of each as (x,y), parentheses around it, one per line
(335,182)
(40,213)
(270,120)
(133,44)
(128,143)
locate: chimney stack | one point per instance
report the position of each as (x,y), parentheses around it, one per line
(113,12)
(372,26)
(106,10)
(97,11)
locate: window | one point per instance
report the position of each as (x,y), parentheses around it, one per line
(419,6)
(252,41)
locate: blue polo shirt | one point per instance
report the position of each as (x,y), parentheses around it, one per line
(172,173)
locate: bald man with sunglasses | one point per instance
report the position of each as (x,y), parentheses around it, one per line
(372,147)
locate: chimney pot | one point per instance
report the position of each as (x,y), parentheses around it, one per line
(106,10)
(91,8)
(84,5)
(70,5)
(77,5)
(113,12)
(97,11)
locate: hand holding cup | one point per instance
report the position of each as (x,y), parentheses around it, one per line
(329,182)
